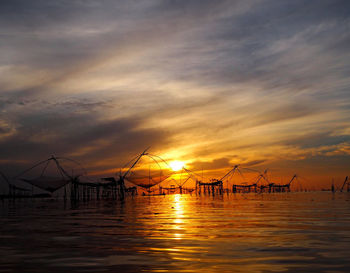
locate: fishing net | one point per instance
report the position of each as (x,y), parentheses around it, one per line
(183,177)
(169,183)
(52,174)
(49,184)
(6,187)
(4,184)
(148,172)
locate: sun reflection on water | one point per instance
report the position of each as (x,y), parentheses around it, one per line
(178,216)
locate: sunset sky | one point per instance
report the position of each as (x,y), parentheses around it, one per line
(260,83)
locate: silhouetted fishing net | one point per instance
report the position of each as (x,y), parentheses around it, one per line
(50,184)
(52,174)
(182,177)
(149,171)
(4,184)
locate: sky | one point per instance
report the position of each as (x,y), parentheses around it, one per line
(260,83)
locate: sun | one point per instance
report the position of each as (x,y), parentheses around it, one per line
(176,165)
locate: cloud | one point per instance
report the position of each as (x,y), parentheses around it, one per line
(210,165)
(248,81)
(78,134)
(253,163)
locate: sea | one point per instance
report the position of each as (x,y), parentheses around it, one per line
(277,232)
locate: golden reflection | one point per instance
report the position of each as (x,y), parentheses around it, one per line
(178,216)
(177,198)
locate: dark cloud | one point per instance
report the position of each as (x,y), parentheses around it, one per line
(210,165)
(318,140)
(253,163)
(79,135)
(280,45)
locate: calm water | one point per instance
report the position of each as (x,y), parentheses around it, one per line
(295,232)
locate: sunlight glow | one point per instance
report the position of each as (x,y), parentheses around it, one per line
(176,165)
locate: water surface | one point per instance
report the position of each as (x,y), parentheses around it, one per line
(290,232)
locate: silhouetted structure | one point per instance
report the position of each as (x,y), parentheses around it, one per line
(214,187)
(346,182)
(76,186)
(13,191)
(283,187)
(244,188)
